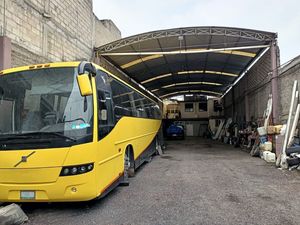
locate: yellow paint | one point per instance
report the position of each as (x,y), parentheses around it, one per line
(39,66)
(137,61)
(207,72)
(222,73)
(190,72)
(156,56)
(41,172)
(240,53)
(191,83)
(230,52)
(84,84)
(207,83)
(190,91)
(156,78)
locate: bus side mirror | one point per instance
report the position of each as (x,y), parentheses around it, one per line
(85,70)
(84,84)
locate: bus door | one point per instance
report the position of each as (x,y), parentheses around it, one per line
(107,154)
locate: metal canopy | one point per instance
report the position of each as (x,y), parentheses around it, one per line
(206,60)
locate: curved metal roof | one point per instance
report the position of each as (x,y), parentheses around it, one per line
(205,60)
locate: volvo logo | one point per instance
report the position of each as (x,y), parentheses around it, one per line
(24,158)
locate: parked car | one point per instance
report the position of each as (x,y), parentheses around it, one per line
(175,130)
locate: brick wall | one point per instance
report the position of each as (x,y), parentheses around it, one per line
(53,30)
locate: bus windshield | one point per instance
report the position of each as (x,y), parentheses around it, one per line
(44,104)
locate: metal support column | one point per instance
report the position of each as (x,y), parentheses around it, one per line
(5,53)
(233,104)
(247,108)
(274,69)
(247,113)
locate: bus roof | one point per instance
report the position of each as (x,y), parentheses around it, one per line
(39,66)
(64,64)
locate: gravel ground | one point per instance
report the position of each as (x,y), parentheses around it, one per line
(196,182)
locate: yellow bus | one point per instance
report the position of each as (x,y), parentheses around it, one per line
(71,131)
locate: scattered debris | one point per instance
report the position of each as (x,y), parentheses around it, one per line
(12,215)
(293,161)
(282,157)
(216,136)
(275,143)
(291,150)
(269,156)
(293,167)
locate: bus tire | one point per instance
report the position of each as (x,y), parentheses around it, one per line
(131,170)
(125,180)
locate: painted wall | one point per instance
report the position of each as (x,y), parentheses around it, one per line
(196,114)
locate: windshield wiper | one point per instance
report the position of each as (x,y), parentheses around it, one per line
(16,136)
(61,135)
(32,135)
(57,134)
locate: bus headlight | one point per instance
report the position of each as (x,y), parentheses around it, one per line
(76,170)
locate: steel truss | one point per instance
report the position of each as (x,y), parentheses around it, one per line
(219,31)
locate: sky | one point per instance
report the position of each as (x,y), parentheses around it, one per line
(139,16)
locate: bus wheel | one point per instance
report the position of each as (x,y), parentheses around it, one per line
(131,170)
(125,181)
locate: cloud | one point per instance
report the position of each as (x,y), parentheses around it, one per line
(138,16)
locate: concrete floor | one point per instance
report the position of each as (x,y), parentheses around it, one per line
(196,182)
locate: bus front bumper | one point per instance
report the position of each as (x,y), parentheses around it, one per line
(65,189)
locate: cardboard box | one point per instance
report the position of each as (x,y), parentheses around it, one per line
(278,129)
(271,130)
(274,129)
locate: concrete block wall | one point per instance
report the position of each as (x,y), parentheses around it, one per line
(105,30)
(287,75)
(256,84)
(53,30)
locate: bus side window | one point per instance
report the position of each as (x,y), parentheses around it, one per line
(157,112)
(148,108)
(105,113)
(106,117)
(139,105)
(122,98)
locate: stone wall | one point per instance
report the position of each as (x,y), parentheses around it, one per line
(53,30)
